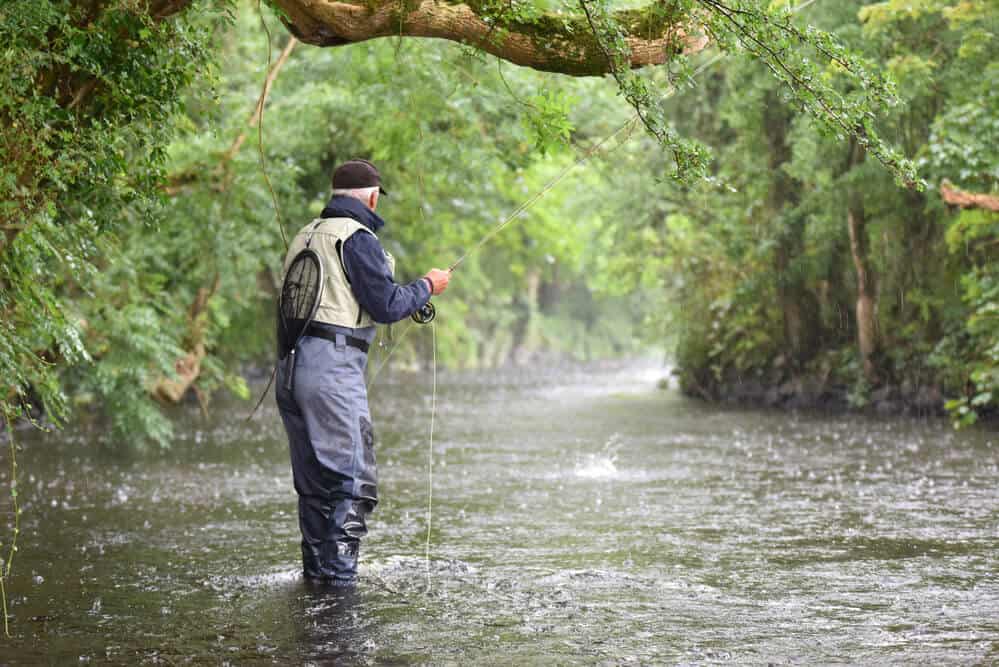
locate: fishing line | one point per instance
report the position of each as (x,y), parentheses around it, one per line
(483,241)
(539,194)
(587,155)
(388,355)
(430,450)
(433,417)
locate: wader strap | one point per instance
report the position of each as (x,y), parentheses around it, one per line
(319,332)
(308,242)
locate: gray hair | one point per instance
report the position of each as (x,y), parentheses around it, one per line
(357,193)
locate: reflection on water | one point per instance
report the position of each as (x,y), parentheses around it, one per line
(580,516)
(330,623)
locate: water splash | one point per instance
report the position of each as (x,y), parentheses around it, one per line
(597,466)
(602,465)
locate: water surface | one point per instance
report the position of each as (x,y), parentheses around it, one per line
(579,516)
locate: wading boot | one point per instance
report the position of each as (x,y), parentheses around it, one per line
(340,557)
(343,565)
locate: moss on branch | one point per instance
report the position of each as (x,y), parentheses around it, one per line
(515,31)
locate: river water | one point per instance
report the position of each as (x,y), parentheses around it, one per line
(579,516)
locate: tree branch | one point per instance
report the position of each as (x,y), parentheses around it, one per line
(176,182)
(956,197)
(262,100)
(549,42)
(188,368)
(165,8)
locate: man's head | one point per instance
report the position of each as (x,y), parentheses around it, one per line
(358,179)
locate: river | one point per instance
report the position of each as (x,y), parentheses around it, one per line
(580,516)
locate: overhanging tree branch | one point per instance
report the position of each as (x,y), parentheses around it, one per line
(546,41)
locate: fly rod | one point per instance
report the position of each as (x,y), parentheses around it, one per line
(585,157)
(581,160)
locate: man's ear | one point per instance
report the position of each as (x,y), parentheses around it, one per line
(373,200)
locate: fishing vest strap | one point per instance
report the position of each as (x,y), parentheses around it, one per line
(326,236)
(350,341)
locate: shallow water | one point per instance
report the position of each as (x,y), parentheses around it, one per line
(580,516)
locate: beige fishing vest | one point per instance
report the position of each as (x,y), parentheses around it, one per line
(339,306)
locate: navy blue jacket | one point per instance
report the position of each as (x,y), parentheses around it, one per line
(368,271)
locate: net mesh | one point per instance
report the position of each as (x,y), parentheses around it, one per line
(300,296)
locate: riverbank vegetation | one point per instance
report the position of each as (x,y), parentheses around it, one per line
(803,275)
(756,213)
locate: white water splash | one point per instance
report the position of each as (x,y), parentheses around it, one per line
(597,466)
(603,464)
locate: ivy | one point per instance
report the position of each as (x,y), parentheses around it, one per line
(81,160)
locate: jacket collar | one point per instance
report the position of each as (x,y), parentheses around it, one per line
(341,206)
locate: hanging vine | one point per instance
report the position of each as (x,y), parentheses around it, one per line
(841,91)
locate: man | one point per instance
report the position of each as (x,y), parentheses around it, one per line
(326,411)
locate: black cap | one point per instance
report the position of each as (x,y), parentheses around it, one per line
(357,174)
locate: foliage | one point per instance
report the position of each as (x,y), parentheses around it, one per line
(763,284)
(841,91)
(81,155)
(974,233)
(138,228)
(216,229)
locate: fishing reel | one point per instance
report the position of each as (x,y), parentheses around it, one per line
(425,315)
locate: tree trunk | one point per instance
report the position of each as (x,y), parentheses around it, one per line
(867,288)
(523,341)
(867,298)
(188,368)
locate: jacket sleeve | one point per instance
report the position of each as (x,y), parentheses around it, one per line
(373,285)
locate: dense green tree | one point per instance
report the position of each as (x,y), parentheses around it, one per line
(86,88)
(145,277)
(802,268)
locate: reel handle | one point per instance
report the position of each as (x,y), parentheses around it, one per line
(424,315)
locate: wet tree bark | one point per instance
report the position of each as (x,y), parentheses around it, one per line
(551,42)
(867,284)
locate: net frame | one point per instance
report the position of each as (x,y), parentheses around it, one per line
(295,313)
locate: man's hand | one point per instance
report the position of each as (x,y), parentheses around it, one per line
(438,280)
